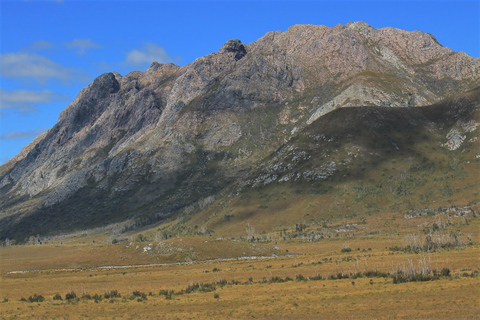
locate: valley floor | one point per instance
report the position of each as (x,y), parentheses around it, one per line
(300,282)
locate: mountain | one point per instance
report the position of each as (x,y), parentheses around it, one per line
(165,143)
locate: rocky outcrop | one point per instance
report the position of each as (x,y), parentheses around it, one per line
(149,143)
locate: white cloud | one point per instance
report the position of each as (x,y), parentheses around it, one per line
(22,134)
(147,54)
(82,45)
(24,101)
(34,66)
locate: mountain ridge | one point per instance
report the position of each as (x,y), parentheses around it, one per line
(172,136)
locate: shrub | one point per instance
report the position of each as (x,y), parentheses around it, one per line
(445,272)
(57,297)
(112,294)
(300,277)
(276,280)
(97,297)
(36,298)
(139,294)
(216,295)
(71,295)
(346,250)
(166,293)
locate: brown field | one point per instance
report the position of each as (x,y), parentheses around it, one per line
(253,293)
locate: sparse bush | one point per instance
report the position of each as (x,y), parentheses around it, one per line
(445,272)
(300,277)
(36,298)
(71,295)
(277,280)
(112,294)
(216,295)
(168,294)
(141,295)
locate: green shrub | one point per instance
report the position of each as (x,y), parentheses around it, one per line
(139,294)
(300,277)
(445,272)
(112,294)
(36,298)
(71,295)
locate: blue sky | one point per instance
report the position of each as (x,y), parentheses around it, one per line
(50,50)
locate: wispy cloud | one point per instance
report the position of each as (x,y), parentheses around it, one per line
(22,134)
(82,45)
(41,45)
(34,66)
(147,54)
(25,101)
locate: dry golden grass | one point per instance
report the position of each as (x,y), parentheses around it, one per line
(455,297)
(325,299)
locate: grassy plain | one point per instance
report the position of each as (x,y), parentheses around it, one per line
(254,293)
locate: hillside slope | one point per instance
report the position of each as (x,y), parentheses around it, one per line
(357,162)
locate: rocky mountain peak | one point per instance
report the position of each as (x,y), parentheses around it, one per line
(236,47)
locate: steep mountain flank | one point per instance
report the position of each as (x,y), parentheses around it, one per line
(152,144)
(355,162)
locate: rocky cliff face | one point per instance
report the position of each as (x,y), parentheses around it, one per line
(150,144)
